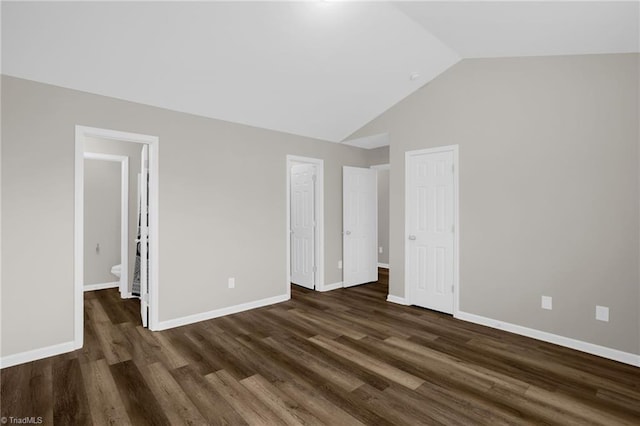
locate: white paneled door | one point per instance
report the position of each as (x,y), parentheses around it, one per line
(430,225)
(360,226)
(303,225)
(144,236)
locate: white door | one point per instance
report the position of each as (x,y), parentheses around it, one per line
(430,224)
(303,225)
(144,236)
(360,226)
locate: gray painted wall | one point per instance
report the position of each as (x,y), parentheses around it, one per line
(548,188)
(133,151)
(378,155)
(383,215)
(222,207)
(102,181)
(375,157)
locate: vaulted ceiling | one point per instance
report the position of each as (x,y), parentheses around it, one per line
(321,69)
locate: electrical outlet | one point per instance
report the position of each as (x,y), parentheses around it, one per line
(547,302)
(232,282)
(602,313)
(380,250)
(339,264)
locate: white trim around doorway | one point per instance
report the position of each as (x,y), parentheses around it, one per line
(81,132)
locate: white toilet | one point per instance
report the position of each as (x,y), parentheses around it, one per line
(117,270)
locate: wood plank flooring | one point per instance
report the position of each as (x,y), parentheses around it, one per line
(345,357)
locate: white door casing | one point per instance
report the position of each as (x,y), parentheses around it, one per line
(431,228)
(360,226)
(303,225)
(81,132)
(144,236)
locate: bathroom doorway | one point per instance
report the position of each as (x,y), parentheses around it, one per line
(107,217)
(130,257)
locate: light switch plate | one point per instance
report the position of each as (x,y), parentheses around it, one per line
(339,264)
(232,282)
(602,313)
(547,302)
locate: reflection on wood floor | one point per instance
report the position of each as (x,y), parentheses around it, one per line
(339,358)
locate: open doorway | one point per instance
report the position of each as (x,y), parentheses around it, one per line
(106,221)
(137,275)
(383,171)
(305,222)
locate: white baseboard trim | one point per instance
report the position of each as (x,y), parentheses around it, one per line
(383,265)
(398,300)
(591,348)
(101,286)
(128,296)
(36,354)
(334,286)
(190,319)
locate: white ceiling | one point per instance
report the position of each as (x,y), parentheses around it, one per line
(518,28)
(318,69)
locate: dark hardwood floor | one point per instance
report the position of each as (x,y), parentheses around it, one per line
(339,358)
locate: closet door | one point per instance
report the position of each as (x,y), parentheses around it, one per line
(360,225)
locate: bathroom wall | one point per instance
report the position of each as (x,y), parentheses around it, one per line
(133,151)
(101,220)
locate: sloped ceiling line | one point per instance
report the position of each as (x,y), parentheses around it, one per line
(316,69)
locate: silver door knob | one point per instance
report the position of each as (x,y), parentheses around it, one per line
(412,237)
(348,232)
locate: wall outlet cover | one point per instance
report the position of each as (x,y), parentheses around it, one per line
(339,264)
(232,282)
(602,313)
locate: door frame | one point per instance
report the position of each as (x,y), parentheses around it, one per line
(81,132)
(124,214)
(319,214)
(456,220)
(307,174)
